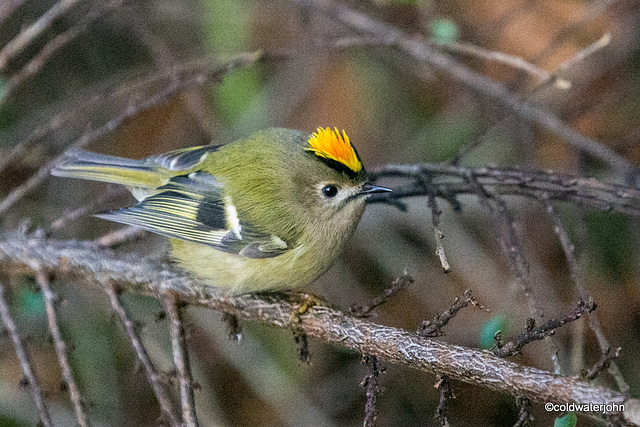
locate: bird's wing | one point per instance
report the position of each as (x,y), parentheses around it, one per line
(192,208)
(183,158)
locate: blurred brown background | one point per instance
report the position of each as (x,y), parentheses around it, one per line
(319,72)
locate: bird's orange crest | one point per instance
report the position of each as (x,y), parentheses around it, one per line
(329,144)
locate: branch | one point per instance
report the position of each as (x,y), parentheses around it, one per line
(451,181)
(31,33)
(398,284)
(50,300)
(583,292)
(420,50)
(446,394)
(182,81)
(181,358)
(143,357)
(83,263)
(63,39)
(533,333)
(29,377)
(433,328)
(606,359)
(373,389)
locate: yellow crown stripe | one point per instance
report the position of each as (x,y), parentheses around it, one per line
(329,144)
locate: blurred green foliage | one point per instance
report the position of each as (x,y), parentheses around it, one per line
(568,420)
(489,330)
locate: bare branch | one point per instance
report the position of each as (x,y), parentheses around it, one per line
(525,418)
(509,243)
(181,358)
(82,211)
(120,236)
(433,328)
(588,192)
(61,40)
(446,394)
(32,32)
(581,55)
(86,264)
(30,378)
(504,58)
(152,375)
(176,86)
(583,291)
(606,359)
(61,347)
(432,203)
(373,389)
(397,285)
(420,50)
(533,333)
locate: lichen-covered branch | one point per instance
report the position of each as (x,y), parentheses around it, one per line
(84,263)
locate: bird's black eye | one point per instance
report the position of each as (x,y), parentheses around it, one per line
(329,191)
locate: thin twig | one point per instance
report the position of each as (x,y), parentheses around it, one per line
(584,53)
(32,32)
(152,375)
(120,236)
(420,50)
(589,192)
(593,11)
(233,326)
(437,231)
(61,40)
(147,103)
(606,359)
(510,244)
(504,58)
(582,290)
(90,207)
(535,333)
(83,263)
(373,389)
(446,394)
(397,285)
(61,347)
(433,328)
(525,418)
(181,358)
(27,371)
(546,79)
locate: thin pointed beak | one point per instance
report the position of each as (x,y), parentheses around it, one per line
(372,189)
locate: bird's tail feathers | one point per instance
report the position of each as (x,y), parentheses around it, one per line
(100,167)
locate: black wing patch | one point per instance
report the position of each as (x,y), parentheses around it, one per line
(192,208)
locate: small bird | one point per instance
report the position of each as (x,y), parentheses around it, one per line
(268,212)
